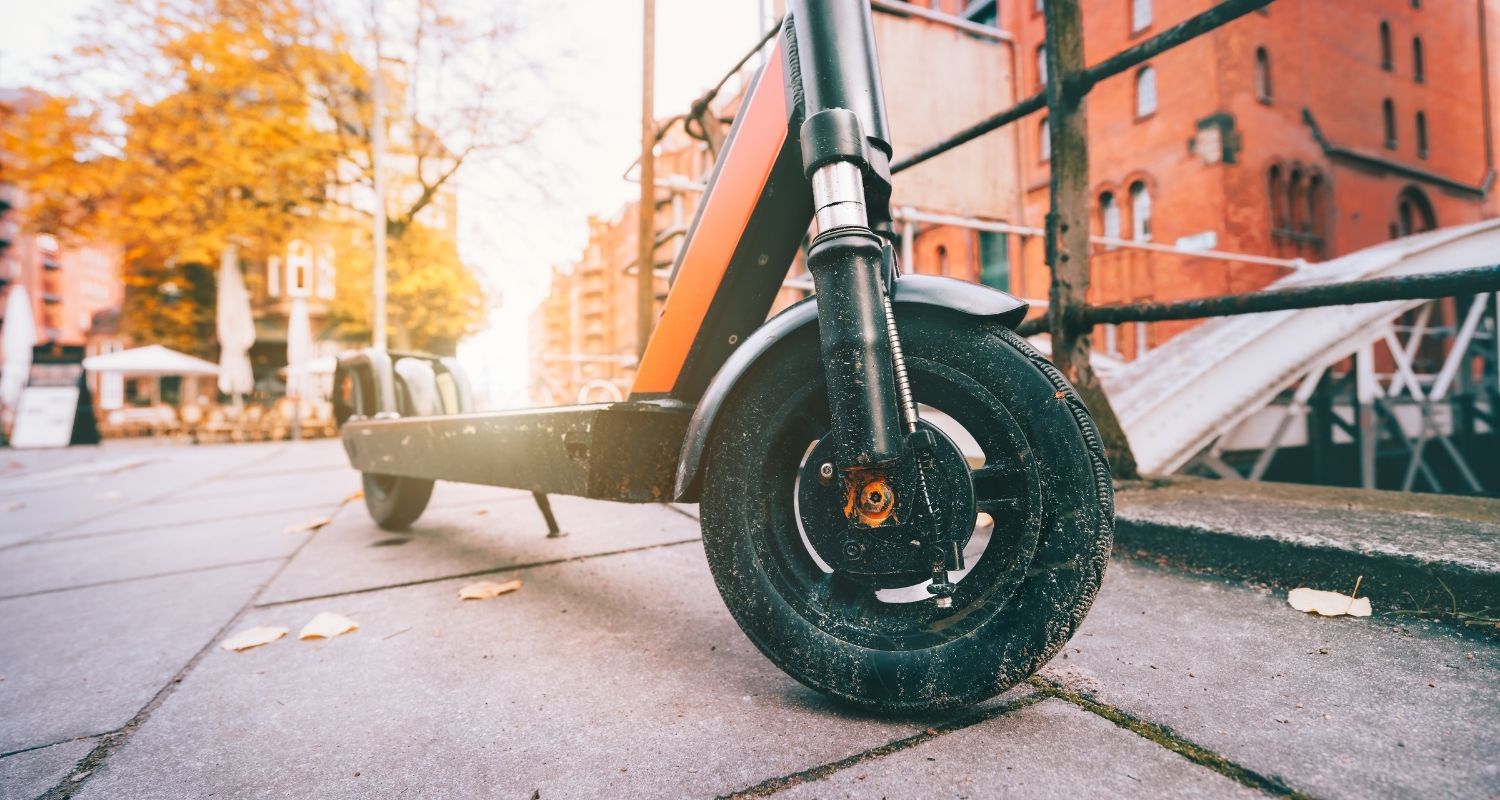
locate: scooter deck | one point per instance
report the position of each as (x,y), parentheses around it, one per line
(625,451)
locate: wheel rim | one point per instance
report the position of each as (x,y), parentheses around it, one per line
(1006,488)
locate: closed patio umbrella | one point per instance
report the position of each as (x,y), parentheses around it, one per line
(298,354)
(236,328)
(16,341)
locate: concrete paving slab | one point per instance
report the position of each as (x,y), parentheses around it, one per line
(51,564)
(292,488)
(83,662)
(1338,707)
(320,499)
(619,676)
(352,554)
(1051,749)
(80,495)
(24,776)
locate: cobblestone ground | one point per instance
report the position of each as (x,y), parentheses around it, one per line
(615,670)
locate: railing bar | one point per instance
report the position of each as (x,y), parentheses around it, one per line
(1374,290)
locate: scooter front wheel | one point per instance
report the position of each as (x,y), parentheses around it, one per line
(1042,505)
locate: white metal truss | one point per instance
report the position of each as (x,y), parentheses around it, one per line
(1201,394)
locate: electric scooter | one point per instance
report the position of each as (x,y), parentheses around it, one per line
(856,543)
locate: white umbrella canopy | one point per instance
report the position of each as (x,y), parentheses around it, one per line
(236,327)
(298,349)
(16,341)
(152,359)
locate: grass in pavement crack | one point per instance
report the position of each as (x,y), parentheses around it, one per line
(1163,736)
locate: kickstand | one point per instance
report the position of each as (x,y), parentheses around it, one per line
(545,506)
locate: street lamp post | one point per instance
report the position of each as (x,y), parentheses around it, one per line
(646,262)
(377,158)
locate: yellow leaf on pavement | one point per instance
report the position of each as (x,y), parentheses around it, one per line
(310,525)
(1328,604)
(484,590)
(327,625)
(253,637)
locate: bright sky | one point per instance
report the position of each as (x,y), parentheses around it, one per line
(513,234)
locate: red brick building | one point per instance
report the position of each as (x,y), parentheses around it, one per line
(1307,130)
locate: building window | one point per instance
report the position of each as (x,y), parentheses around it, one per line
(942,259)
(325,266)
(1414,212)
(986,12)
(1140,212)
(1416,4)
(1295,203)
(299,266)
(1044,139)
(1276,192)
(1386,61)
(1041,66)
(1109,216)
(1317,226)
(1140,15)
(1262,75)
(1145,92)
(1422,134)
(1388,110)
(994,260)
(1418,62)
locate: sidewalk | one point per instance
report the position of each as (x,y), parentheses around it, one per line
(615,670)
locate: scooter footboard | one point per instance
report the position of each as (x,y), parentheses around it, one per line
(613,451)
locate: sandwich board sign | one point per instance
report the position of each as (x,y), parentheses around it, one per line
(44,417)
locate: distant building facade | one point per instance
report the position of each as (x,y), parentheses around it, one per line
(1309,129)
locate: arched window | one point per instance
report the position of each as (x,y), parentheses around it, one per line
(1145,92)
(1140,15)
(1041,66)
(1414,212)
(1295,201)
(1317,226)
(1422,134)
(1044,140)
(942,259)
(1262,75)
(1109,215)
(1386,61)
(1388,111)
(1140,212)
(1276,191)
(1418,61)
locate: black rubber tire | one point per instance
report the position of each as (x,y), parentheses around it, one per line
(913,656)
(396,502)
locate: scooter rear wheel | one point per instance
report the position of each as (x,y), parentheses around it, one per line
(1031,574)
(395,502)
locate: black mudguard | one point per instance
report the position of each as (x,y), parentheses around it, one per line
(911,290)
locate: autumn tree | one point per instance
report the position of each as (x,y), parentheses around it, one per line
(249,122)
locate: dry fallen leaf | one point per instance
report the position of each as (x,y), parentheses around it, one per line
(327,625)
(484,590)
(310,525)
(253,637)
(1328,604)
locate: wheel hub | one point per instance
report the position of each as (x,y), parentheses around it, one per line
(874,525)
